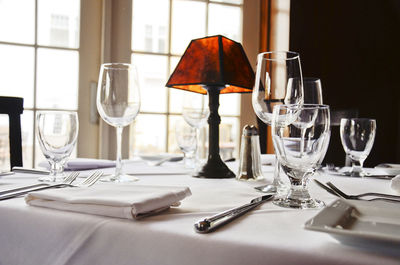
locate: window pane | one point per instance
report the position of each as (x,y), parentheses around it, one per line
(172,144)
(150,25)
(27,137)
(188,22)
(148,135)
(17,20)
(152,71)
(57,79)
(4,143)
(219,24)
(175,95)
(229,1)
(229,104)
(16,72)
(58,23)
(229,137)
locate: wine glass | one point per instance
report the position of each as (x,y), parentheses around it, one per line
(57,132)
(195,112)
(118,103)
(186,137)
(299,134)
(312,90)
(278,81)
(357,136)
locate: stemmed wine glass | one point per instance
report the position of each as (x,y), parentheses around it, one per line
(278,81)
(299,134)
(312,90)
(118,103)
(357,136)
(195,112)
(57,132)
(186,137)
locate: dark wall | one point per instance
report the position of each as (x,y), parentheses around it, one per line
(353,46)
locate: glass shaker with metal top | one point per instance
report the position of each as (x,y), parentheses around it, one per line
(250,156)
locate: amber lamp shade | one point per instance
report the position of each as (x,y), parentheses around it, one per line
(216,65)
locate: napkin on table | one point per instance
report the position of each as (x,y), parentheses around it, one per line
(395,183)
(122,201)
(83,163)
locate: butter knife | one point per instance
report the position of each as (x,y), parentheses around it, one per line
(209,224)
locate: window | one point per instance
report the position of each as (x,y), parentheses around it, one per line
(171,26)
(39,49)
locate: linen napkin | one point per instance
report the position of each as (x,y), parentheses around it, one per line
(395,183)
(122,201)
(83,164)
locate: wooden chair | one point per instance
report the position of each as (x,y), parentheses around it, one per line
(13,107)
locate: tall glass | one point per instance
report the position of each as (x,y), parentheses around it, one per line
(357,136)
(186,138)
(57,132)
(118,103)
(299,134)
(195,111)
(278,81)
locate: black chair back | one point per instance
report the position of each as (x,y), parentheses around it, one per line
(13,107)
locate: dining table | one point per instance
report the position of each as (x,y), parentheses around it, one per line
(268,234)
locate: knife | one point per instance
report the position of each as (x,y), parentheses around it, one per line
(30,170)
(209,224)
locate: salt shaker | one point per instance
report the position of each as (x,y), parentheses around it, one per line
(250,156)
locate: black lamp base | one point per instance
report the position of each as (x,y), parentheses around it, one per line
(216,169)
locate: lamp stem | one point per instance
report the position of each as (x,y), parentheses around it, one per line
(214,167)
(213,121)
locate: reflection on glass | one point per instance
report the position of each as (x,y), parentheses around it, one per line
(150,25)
(57,79)
(230,1)
(17,21)
(188,22)
(58,23)
(16,70)
(218,24)
(148,135)
(153,71)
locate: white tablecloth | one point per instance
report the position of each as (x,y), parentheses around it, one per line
(267,235)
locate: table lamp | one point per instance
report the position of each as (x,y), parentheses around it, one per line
(216,65)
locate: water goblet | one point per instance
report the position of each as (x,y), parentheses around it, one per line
(357,136)
(186,137)
(57,132)
(278,81)
(118,103)
(195,111)
(299,134)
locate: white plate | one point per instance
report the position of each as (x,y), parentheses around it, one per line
(360,223)
(156,157)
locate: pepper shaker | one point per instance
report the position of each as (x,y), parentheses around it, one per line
(250,156)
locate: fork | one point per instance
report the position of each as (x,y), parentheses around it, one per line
(68,180)
(89,181)
(367,194)
(345,196)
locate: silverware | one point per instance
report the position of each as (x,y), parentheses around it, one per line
(359,196)
(337,172)
(4,195)
(89,181)
(30,170)
(209,224)
(335,191)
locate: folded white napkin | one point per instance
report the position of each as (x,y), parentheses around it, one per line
(395,183)
(82,164)
(122,201)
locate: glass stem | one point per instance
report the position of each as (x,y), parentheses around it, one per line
(118,161)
